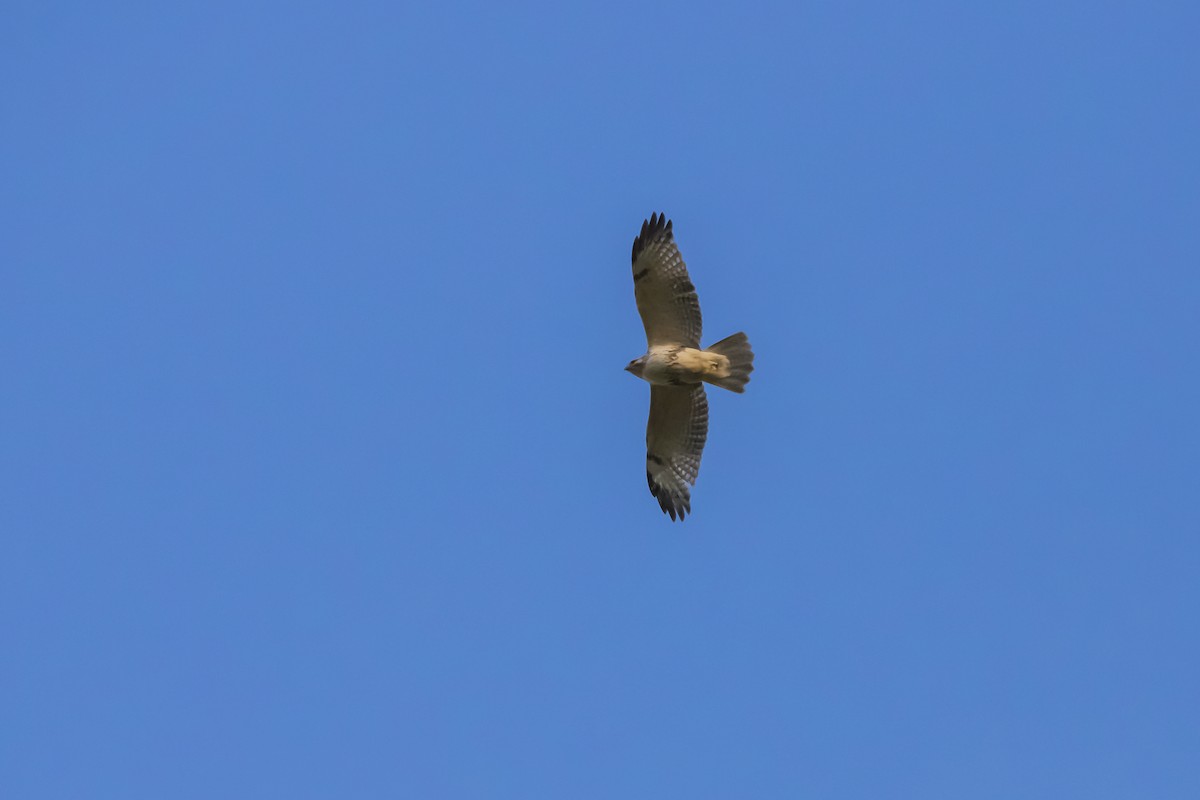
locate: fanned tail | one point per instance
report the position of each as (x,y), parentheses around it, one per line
(741,362)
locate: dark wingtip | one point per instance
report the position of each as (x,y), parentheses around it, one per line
(674,506)
(658,223)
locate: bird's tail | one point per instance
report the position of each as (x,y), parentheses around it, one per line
(736,348)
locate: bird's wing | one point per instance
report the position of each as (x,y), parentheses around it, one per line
(675,436)
(666,298)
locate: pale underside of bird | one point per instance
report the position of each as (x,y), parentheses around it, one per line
(676,367)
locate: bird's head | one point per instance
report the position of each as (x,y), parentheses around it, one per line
(636,366)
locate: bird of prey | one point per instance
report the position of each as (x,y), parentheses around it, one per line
(675,366)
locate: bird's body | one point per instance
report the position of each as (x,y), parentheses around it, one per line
(669,365)
(676,367)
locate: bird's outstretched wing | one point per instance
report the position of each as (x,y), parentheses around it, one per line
(675,436)
(666,298)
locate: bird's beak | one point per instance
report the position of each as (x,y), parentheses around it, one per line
(629,367)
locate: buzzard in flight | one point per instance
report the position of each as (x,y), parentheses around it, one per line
(675,366)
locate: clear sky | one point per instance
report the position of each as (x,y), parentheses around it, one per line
(322,477)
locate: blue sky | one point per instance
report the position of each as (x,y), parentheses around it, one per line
(322,477)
